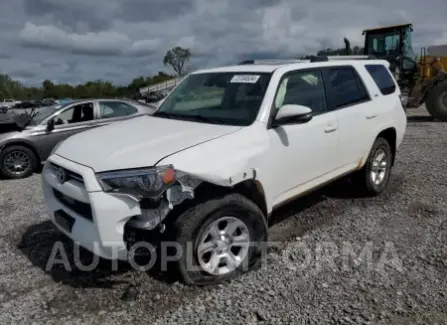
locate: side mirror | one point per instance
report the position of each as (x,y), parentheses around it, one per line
(293,114)
(50,125)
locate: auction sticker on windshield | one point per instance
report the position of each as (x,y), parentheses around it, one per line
(245,78)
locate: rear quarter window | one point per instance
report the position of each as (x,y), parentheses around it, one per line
(382,77)
(345,86)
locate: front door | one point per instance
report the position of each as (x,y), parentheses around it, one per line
(69,121)
(302,152)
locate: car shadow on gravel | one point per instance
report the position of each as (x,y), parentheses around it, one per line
(311,211)
(39,241)
(420,118)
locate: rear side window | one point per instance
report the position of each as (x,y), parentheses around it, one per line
(345,86)
(382,78)
(115,109)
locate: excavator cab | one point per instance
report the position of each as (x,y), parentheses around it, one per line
(421,80)
(393,43)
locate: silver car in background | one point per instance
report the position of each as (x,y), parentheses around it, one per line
(27,137)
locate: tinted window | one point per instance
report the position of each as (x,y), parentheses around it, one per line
(383,78)
(381,43)
(302,88)
(115,109)
(76,114)
(346,86)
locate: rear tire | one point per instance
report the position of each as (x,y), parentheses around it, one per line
(372,179)
(194,229)
(436,102)
(17,162)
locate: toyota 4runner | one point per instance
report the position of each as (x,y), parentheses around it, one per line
(223,150)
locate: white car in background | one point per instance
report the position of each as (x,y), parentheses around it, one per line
(226,148)
(9,102)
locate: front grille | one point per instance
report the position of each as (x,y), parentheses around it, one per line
(81,208)
(69,173)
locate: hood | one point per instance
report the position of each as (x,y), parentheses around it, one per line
(138,142)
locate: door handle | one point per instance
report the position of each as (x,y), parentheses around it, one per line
(330,128)
(368,117)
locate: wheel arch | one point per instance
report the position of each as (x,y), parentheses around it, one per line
(390,135)
(251,189)
(23,144)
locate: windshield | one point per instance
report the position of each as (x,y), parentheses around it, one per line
(222,98)
(383,43)
(42,113)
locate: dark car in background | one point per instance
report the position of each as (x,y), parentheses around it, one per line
(27,139)
(155,96)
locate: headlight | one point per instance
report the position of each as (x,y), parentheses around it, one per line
(138,183)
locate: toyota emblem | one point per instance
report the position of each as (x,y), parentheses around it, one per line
(61,175)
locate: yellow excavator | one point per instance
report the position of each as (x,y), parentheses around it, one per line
(422,79)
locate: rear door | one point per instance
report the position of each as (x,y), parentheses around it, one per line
(349,98)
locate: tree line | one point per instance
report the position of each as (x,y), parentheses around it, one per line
(176,58)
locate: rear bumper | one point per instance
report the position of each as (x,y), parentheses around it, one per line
(101,229)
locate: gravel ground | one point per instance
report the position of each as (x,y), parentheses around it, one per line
(338,259)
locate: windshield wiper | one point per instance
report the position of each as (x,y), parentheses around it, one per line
(206,119)
(32,114)
(193,117)
(164,114)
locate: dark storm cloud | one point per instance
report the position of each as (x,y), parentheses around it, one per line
(23,74)
(4,55)
(80,40)
(155,10)
(99,15)
(70,13)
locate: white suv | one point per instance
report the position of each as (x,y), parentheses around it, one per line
(227,147)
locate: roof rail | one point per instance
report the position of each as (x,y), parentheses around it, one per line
(325,58)
(318,58)
(271,61)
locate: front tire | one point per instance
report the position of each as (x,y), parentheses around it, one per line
(220,239)
(17,162)
(372,179)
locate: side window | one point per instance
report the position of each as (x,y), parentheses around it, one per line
(76,114)
(302,88)
(115,109)
(346,86)
(382,78)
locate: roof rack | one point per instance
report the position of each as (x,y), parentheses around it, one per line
(271,61)
(325,58)
(319,58)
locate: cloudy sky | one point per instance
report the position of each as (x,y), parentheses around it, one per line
(78,40)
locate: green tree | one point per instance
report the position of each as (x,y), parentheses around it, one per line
(49,90)
(177,58)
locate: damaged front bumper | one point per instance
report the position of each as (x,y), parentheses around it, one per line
(153,212)
(99,226)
